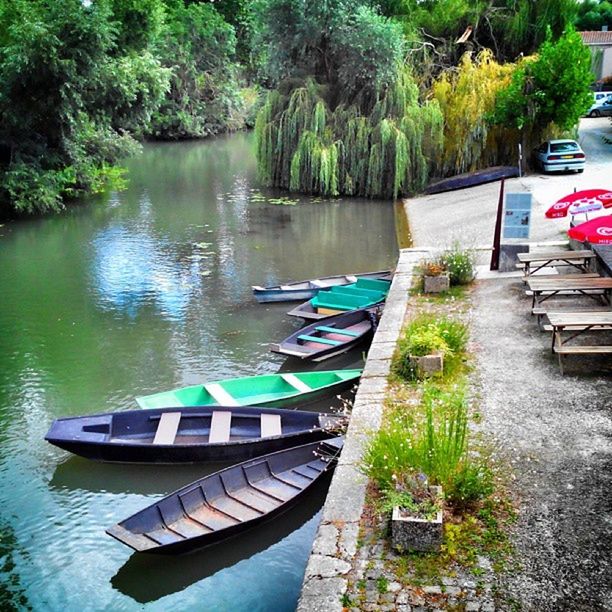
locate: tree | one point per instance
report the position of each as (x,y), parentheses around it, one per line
(66,98)
(346,45)
(552,87)
(594,14)
(198,45)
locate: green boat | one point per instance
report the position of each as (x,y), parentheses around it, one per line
(271,390)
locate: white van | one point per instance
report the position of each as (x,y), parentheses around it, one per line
(600,98)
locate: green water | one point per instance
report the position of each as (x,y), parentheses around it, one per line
(132,293)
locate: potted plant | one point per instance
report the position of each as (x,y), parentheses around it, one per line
(417,514)
(435,276)
(426,349)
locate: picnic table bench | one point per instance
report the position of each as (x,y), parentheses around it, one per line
(577,259)
(543,289)
(578,323)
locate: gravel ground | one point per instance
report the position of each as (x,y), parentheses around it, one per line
(557,433)
(555,430)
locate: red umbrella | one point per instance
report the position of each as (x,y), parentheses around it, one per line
(581,198)
(595,231)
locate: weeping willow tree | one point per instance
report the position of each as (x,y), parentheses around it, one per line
(377,150)
(467,96)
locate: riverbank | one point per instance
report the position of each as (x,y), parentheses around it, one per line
(551,432)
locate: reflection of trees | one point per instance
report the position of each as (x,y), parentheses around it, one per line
(12,595)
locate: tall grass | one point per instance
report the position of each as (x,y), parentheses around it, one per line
(432,440)
(426,334)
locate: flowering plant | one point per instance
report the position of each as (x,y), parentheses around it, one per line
(433,267)
(413,495)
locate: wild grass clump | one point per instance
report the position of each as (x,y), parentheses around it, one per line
(431,440)
(459,263)
(427,334)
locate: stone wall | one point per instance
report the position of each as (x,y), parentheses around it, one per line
(335,544)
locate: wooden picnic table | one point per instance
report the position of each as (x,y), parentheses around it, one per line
(578,323)
(593,287)
(577,259)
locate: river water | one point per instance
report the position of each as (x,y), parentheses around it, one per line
(136,292)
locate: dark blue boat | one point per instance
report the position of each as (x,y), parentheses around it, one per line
(228,502)
(189,435)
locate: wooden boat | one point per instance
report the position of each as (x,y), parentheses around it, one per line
(271,390)
(227,502)
(306,289)
(189,435)
(362,294)
(471,179)
(335,335)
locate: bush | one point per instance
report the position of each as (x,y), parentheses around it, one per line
(427,334)
(459,263)
(432,440)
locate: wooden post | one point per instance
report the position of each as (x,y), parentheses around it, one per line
(497,236)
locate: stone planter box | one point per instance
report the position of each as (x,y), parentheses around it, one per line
(415,534)
(428,365)
(436,284)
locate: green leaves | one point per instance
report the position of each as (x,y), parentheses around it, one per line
(552,87)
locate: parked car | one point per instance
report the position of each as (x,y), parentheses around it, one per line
(605,110)
(559,155)
(600,98)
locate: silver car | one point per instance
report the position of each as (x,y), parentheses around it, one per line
(559,156)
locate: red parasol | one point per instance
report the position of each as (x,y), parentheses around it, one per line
(595,231)
(586,198)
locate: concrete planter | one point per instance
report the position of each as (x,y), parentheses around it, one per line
(415,534)
(436,284)
(428,365)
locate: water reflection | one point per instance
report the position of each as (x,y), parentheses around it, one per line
(260,547)
(132,270)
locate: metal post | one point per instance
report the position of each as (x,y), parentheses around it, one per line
(497,237)
(520,158)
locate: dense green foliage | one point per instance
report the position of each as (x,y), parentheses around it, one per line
(552,87)
(66,98)
(593,15)
(371,98)
(431,439)
(80,81)
(507,27)
(196,45)
(304,145)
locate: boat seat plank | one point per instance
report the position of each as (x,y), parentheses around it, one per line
(307,338)
(295,382)
(220,395)
(220,424)
(333,330)
(271,425)
(167,428)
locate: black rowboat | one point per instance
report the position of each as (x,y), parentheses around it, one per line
(189,435)
(471,179)
(227,502)
(324,339)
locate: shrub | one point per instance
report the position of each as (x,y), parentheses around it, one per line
(459,264)
(427,334)
(432,440)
